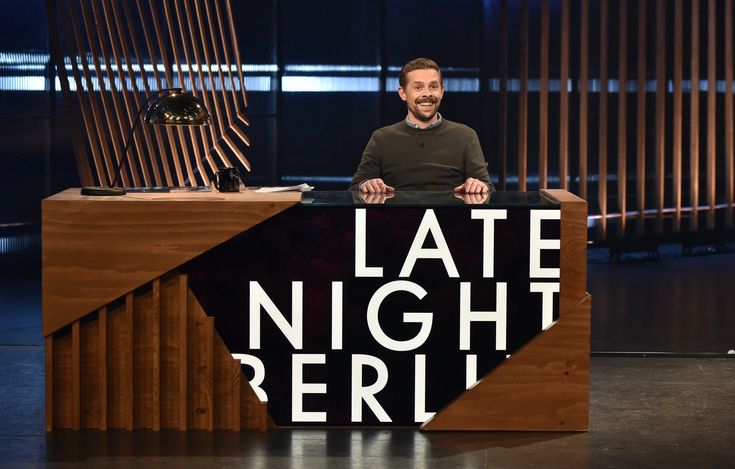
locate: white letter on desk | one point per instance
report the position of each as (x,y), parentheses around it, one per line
(367,393)
(258,373)
(488,218)
(419,409)
(425,319)
(337,315)
(538,244)
(361,270)
(429,224)
(299,388)
(467,317)
(547,290)
(293,331)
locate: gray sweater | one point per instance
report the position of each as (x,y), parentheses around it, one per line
(434,159)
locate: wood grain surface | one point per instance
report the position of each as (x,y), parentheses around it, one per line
(97,249)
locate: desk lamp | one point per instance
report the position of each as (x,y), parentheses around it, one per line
(175,108)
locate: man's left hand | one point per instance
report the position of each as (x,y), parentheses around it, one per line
(472,186)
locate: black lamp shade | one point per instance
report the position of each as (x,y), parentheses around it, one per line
(177,108)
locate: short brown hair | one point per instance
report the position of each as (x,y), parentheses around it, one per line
(418,64)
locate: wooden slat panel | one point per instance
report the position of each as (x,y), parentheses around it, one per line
(183,320)
(143,321)
(729,131)
(224,386)
(152,234)
(120,366)
(694,120)
(170,353)
(237,384)
(564,98)
(90,402)
(602,130)
(75,377)
(102,367)
(543,118)
(677,114)
(641,121)
(660,112)
(200,376)
(236,50)
(711,111)
(523,102)
(62,379)
(155,334)
(50,391)
(583,96)
(622,114)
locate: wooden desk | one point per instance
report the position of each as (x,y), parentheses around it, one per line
(129,346)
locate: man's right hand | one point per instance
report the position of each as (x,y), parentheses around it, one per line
(375,186)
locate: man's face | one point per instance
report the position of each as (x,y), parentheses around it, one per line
(423,94)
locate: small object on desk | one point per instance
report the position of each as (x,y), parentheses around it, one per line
(169,189)
(299,188)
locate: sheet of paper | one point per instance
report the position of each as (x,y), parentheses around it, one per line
(299,188)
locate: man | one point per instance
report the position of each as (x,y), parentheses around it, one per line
(424,151)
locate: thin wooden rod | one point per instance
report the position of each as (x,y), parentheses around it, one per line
(523,102)
(76,393)
(729,135)
(694,120)
(711,110)
(102,365)
(622,115)
(543,118)
(504,72)
(641,120)
(678,109)
(660,111)
(602,130)
(583,96)
(236,50)
(564,98)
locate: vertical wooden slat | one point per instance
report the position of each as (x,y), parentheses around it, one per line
(156,354)
(677,115)
(102,318)
(543,118)
(660,112)
(583,96)
(602,131)
(209,372)
(75,377)
(145,359)
(183,375)
(564,98)
(641,121)
(711,110)
(622,115)
(128,383)
(89,376)
(49,341)
(523,102)
(236,385)
(729,131)
(694,120)
(503,130)
(63,394)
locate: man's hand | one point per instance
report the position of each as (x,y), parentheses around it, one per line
(375,186)
(472,199)
(472,186)
(376,197)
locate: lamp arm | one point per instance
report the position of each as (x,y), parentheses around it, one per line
(122,162)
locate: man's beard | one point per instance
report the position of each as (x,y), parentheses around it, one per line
(416,111)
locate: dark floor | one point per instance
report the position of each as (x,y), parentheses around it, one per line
(654,411)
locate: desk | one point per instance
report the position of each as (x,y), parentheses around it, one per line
(131,342)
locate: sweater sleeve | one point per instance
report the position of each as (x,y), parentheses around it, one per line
(370,164)
(475,165)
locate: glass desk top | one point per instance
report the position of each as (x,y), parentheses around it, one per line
(496,199)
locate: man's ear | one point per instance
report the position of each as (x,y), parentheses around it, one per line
(402,93)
